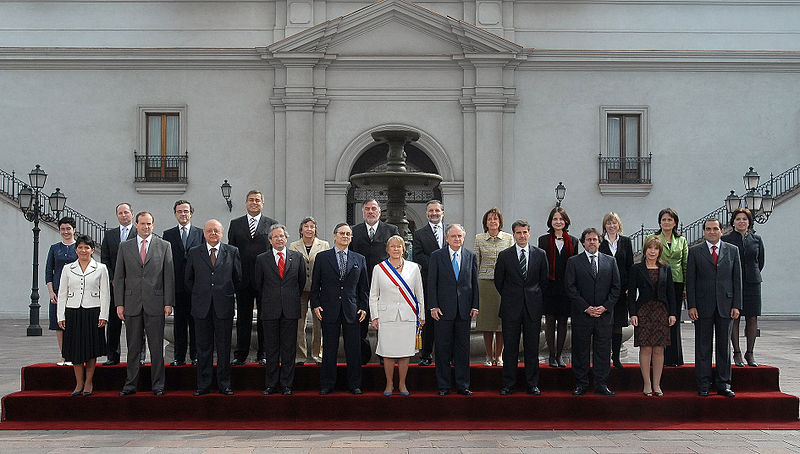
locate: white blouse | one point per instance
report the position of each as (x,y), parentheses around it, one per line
(385,300)
(78,288)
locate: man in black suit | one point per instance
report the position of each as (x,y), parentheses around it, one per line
(369,240)
(108,256)
(213,273)
(519,276)
(453,301)
(714,298)
(183,237)
(280,277)
(249,234)
(593,286)
(339,298)
(427,240)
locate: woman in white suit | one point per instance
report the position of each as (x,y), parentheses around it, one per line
(398,310)
(83,301)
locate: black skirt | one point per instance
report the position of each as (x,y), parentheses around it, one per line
(751,299)
(83,340)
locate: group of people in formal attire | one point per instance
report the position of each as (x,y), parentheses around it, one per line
(420,306)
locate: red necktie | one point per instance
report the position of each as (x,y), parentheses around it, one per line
(143,251)
(281,264)
(714,254)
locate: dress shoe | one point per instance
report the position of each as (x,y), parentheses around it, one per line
(561,362)
(356,391)
(444,392)
(299,363)
(178,363)
(270,390)
(579,390)
(194,362)
(617,363)
(727,392)
(324,391)
(227,392)
(237,362)
(287,391)
(425,362)
(87,393)
(142,362)
(200,392)
(552,362)
(76,393)
(534,390)
(737,359)
(702,393)
(111,362)
(158,392)
(262,362)
(387,393)
(127,392)
(465,392)
(506,391)
(405,393)
(748,356)
(604,391)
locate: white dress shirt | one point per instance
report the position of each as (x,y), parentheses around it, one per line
(139,243)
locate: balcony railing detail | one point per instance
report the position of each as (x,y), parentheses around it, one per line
(160,169)
(617,170)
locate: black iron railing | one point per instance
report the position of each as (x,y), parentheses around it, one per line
(160,169)
(617,170)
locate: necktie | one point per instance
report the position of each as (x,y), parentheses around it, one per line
(143,251)
(714,254)
(594,265)
(123,234)
(371,233)
(455,264)
(342,264)
(213,256)
(184,236)
(523,262)
(252,227)
(436,234)
(281,264)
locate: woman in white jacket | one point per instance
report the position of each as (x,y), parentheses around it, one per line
(83,299)
(398,310)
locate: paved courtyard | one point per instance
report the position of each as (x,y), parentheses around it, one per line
(778,346)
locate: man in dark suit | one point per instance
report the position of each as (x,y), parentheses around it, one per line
(280,276)
(428,239)
(714,298)
(519,276)
(592,283)
(369,240)
(144,287)
(183,237)
(213,273)
(249,234)
(339,298)
(453,301)
(108,256)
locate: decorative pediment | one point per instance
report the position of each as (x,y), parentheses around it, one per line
(395,28)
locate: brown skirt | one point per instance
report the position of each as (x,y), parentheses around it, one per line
(653,329)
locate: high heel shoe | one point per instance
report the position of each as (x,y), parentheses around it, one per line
(647,394)
(77,393)
(552,361)
(748,356)
(658,393)
(737,359)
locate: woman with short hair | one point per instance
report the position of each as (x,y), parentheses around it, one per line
(59,255)
(615,244)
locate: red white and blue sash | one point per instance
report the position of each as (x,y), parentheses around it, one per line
(405,290)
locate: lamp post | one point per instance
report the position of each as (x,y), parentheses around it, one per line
(31,205)
(760,205)
(226,193)
(561,191)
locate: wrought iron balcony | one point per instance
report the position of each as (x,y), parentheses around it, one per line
(616,170)
(160,169)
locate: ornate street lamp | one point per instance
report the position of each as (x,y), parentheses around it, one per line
(226,193)
(561,191)
(760,205)
(31,205)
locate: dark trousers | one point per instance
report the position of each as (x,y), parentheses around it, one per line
(245,302)
(673,353)
(153,328)
(529,328)
(213,331)
(113,332)
(183,324)
(452,341)
(708,331)
(330,350)
(594,333)
(428,336)
(280,341)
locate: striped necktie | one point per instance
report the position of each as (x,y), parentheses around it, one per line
(252,227)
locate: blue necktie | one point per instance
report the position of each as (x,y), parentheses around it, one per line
(183,236)
(455,264)
(342,264)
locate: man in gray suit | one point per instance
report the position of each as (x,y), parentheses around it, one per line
(714,297)
(144,292)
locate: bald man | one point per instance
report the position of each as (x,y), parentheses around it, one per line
(213,275)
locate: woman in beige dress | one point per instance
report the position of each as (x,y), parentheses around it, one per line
(396,321)
(487,245)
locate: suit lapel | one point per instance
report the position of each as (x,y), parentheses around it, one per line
(584,263)
(150,250)
(206,256)
(707,254)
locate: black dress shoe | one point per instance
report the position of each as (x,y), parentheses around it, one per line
(425,362)
(262,362)
(748,356)
(579,390)
(299,363)
(142,362)
(111,362)
(194,362)
(506,391)
(356,391)
(465,392)
(702,393)
(737,359)
(534,390)
(617,363)
(178,363)
(604,391)
(552,362)
(727,392)
(158,392)
(87,393)
(237,362)
(561,362)
(444,392)
(270,390)
(200,392)
(227,392)
(325,391)
(76,393)
(287,391)
(127,392)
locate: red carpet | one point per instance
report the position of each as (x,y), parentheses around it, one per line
(44,403)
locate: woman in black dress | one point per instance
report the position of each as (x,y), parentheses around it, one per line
(559,246)
(83,304)
(59,255)
(751,253)
(653,311)
(619,246)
